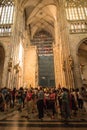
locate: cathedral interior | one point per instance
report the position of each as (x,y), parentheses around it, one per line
(43,43)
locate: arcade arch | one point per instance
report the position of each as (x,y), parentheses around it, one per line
(82,59)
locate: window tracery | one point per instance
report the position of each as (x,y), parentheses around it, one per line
(6,16)
(76,13)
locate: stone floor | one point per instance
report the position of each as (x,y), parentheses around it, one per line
(13,119)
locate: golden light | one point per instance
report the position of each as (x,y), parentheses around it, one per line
(20,54)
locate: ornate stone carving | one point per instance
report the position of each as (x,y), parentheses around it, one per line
(10,65)
(71,63)
(16,67)
(81,68)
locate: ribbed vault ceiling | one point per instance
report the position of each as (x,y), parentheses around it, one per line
(39,14)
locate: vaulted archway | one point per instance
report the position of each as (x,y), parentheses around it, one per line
(82,56)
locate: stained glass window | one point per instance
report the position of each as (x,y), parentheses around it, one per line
(44,41)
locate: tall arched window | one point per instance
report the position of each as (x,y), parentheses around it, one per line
(6,16)
(76,13)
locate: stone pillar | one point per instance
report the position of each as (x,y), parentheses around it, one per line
(76,72)
(5,43)
(17,39)
(30,66)
(64,34)
(57,49)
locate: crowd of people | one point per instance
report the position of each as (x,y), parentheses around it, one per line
(41,100)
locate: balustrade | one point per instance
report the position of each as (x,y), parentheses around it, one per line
(78,26)
(5,30)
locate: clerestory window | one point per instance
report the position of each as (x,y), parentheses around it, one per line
(76,13)
(6,16)
(76,10)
